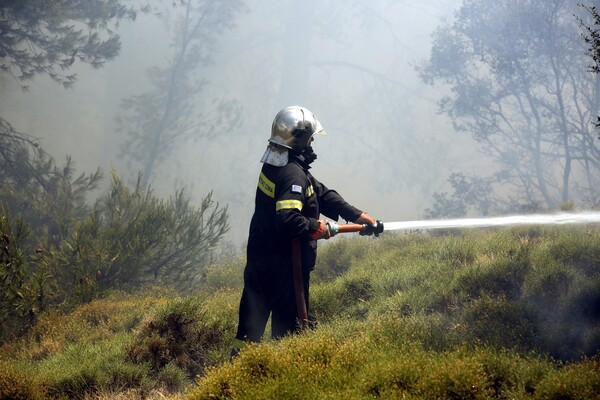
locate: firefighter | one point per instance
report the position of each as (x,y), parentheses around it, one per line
(288,205)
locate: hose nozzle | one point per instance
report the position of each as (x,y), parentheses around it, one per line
(369,229)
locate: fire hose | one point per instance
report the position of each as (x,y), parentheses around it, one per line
(377,228)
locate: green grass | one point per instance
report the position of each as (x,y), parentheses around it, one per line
(481,314)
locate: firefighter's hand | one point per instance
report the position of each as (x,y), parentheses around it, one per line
(325,230)
(365,219)
(368,220)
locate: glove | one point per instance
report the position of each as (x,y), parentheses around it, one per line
(325,230)
(367,220)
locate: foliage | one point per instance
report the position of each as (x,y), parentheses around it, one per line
(518,85)
(46,38)
(63,252)
(486,314)
(19,385)
(367,363)
(337,259)
(89,323)
(85,368)
(524,289)
(46,201)
(49,198)
(592,39)
(12,271)
(129,238)
(470,194)
(132,238)
(225,274)
(84,352)
(179,337)
(153,122)
(591,36)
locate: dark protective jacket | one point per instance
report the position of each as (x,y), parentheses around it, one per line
(288,203)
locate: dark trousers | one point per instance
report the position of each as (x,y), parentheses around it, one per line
(269,290)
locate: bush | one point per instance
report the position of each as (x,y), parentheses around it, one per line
(131,238)
(227,274)
(19,385)
(128,239)
(499,322)
(16,302)
(334,363)
(346,296)
(336,258)
(178,335)
(87,368)
(403,321)
(573,381)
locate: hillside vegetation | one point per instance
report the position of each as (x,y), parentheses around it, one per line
(506,313)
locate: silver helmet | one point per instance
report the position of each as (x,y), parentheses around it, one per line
(293,129)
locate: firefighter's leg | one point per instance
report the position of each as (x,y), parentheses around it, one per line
(284,309)
(254,310)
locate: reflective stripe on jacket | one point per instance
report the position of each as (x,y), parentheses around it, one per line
(289,201)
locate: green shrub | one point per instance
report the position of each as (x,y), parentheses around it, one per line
(173,378)
(436,332)
(89,323)
(17,304)
(454,251)
(132,238)
(227,274)
(577,247)
(503,277)
(179,334)
(401,322)
(19,385)
(572,328)
(455,376)
(499,322)
(347,296)
(579,381)
(335,363)
(549,281)
(87,368)
(336,258)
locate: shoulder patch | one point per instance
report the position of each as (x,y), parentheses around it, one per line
(296,189)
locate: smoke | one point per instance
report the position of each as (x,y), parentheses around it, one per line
(352,64)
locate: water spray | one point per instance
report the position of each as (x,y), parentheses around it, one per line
(532,219)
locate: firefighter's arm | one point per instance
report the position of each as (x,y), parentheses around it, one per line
(294,224)
(290,222)
(333,205)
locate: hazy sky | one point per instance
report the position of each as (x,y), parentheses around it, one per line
(387,149)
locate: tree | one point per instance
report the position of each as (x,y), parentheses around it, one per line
(41,38)
(470,193)
(592,39)
(46,38)
(60,250)
(154,121)
(48,197)
(518,85)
